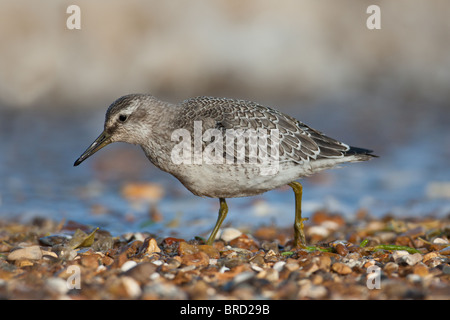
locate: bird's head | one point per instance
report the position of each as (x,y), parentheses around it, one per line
(128,119)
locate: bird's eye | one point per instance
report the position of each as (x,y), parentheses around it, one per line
(122,118)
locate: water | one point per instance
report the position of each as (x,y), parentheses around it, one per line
(37,177)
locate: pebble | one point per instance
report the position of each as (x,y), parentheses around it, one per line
(90,261)
(141,272)
(229,234)
(445,251)
(399,255)
(316,292)
(29,253)
(143,191)
(271,275)
(132,288)
(128,265)
(446,269)
(414,278)
(403,257)
(341,268)
(440,241)
(310,268)
(198,259)
(279,265)
(420,269)
(243,276)
(412,259)
(323,262)
(390,267)
(429,256)
(341,249)
(57,285)
(320,231)
(149,246)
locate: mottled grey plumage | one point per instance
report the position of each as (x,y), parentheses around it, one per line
(146,121)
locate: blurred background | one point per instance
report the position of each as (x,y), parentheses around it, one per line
(386,90)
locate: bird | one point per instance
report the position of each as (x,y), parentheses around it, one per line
(225,148)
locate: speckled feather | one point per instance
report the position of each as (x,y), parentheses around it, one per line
(298,142)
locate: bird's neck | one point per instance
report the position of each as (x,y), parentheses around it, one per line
(158,145)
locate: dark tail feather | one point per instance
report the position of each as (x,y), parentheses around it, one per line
(360,151)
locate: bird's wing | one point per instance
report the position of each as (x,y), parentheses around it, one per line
(296,141)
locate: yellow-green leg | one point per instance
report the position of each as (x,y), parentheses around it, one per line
(223,210)
(299,235)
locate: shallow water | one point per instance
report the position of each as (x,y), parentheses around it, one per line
(410,178)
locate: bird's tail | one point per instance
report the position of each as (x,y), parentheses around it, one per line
(360,153)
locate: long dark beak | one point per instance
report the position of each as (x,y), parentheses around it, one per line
(103,140)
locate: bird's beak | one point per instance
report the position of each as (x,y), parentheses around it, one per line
(103,140)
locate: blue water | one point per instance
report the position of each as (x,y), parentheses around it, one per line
(37,177)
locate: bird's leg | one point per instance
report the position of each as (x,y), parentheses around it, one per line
(223,210)
(299,235)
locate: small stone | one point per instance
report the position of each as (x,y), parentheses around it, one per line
(399,255)
(341,268)
(446,270)
(57,285)
(310,268)
(29,253)
(291,266)
(128,265)
(316,292)
(445,251)
(143,191)
(341,249)
(141,272)
(198,259)
(323,262)
(390,267)
(90,261)
(414,278)
(186,248)
(229,234)
(174,262)
(270,246)
(319,231)
(440,241)
(49,254)
(420,269)
(212,252)
(257,260)
(132,287)
(279,265)
(429,256)
(149,246)
(412,259)
(266,233)
(23,263)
